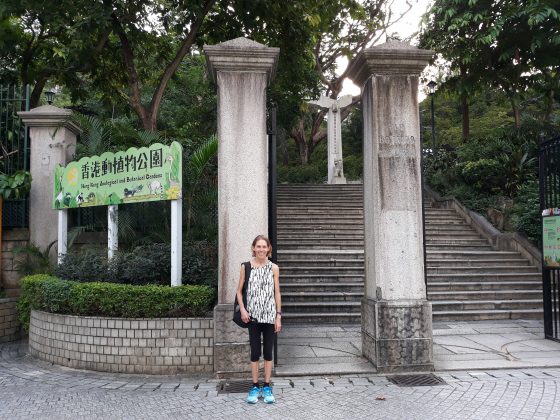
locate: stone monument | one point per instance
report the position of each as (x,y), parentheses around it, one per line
(242,69)
(334,137)
(396,316)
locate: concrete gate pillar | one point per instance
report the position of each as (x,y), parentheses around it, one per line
(53,141)
(242,69)
(396,317)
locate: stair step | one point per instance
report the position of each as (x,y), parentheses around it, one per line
(313,307)
(447,305)
(321,318)
(484,277)
(296,297)
(322,278)
(351,287)
(493,262)
(295,270)
(485,295)
(481,315)
(459,286)
(332,262)
(471,254)
(483,269)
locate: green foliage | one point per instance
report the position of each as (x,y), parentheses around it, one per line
(2,293)
(144,264)
(302,174)
(31,259)
(15,185)
(526,217)
(51,294)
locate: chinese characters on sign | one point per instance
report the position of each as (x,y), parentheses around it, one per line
(551,241)
(146,174)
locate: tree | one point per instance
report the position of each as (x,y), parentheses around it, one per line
(506,44)
(39,42)
(343,30)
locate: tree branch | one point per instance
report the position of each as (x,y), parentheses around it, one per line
(173,65)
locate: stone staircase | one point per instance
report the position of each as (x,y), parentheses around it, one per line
(320,253)
(469,280)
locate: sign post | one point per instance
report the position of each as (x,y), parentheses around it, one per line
(151,173)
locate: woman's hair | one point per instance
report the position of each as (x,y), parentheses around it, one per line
(264,238)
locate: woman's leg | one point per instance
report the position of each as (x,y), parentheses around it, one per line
(255,342)
(268,343)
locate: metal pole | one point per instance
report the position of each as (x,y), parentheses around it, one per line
(272,199)
(433,127)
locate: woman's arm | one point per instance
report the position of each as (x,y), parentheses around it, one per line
(277,298)
(239,294)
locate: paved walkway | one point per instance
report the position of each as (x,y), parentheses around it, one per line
(319,350)
(32,389)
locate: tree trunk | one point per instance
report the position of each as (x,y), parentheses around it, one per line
(465,115)
(515,110)
(549,105)
(35,97)
(303,152)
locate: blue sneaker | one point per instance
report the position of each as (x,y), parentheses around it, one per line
(267,394)
(254,395)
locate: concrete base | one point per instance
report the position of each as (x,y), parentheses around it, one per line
(231,345)
(397,335)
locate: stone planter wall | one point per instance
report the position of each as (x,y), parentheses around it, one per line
(10,329)
(125,345)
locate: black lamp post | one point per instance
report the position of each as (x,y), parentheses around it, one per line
(431,90)
(50,96)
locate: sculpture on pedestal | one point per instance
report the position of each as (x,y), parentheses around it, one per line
(334,137)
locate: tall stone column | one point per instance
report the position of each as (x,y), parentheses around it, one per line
(335,165)
(396,317)
(242,69)
(53,141)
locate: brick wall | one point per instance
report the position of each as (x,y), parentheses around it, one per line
(151,346)
(10,277)
(9,324)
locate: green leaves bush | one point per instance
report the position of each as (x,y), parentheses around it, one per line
(51,294)
(144,264)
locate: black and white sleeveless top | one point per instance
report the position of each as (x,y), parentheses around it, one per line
(260,294)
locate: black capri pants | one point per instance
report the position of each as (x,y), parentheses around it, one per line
(257,329)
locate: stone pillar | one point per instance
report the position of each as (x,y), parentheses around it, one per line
(396,317)
(53,141)
(242,69)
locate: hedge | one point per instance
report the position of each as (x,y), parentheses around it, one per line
(50,294)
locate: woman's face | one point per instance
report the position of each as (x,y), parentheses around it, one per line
(261,249)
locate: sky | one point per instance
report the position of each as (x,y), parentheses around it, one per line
(405,28)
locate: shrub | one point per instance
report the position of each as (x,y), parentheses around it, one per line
(526,216)
(88,264)
(304,174)
(46,293)
(353,167)
(144,264)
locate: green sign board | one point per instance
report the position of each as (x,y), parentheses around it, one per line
(146,174)
(551,241)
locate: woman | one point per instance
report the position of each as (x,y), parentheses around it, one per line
(263,311)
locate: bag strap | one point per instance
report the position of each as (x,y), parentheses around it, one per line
(247,275)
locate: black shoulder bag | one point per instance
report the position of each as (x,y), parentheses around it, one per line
(236,309)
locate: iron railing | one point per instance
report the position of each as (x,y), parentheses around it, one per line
(549,183)
(15,148)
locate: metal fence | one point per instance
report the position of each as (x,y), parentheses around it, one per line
(549,181)
(14,153)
